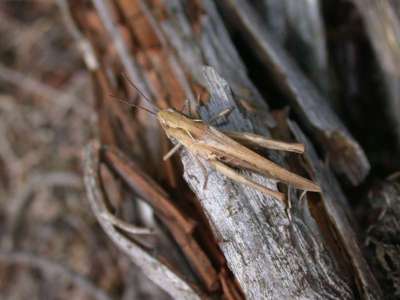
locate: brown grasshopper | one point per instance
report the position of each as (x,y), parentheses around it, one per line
(222,150)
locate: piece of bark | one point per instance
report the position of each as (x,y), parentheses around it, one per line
(156,268)
(299,28)
(187,49)
(271,256)
(345,154)
(180,226)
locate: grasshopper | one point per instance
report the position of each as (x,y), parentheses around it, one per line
(221,150)
(224,150)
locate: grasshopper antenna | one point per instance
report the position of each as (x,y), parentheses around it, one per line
(140,92)
(134,105)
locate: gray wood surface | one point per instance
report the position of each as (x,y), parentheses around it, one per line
(275,252)
(345,154)
(272,255)
(382,23)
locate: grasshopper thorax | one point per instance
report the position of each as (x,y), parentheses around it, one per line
(172,119)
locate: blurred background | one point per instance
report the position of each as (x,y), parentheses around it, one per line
(48,234)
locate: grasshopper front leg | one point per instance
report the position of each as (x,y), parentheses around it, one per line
(178,146)
(233,175)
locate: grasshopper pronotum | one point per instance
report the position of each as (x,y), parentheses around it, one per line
(222,150)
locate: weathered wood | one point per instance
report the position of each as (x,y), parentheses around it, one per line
(274,251)
(340,217)
(382,23)
(299,28)
(345,154)
(201,257)
(154,267)
(272,255)
(179,225)
(186,47)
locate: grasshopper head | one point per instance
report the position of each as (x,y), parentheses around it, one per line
(173,122)
(170,118)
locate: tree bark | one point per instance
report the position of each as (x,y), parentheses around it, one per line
(257,247)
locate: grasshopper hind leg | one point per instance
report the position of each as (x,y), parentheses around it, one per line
(232,174)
